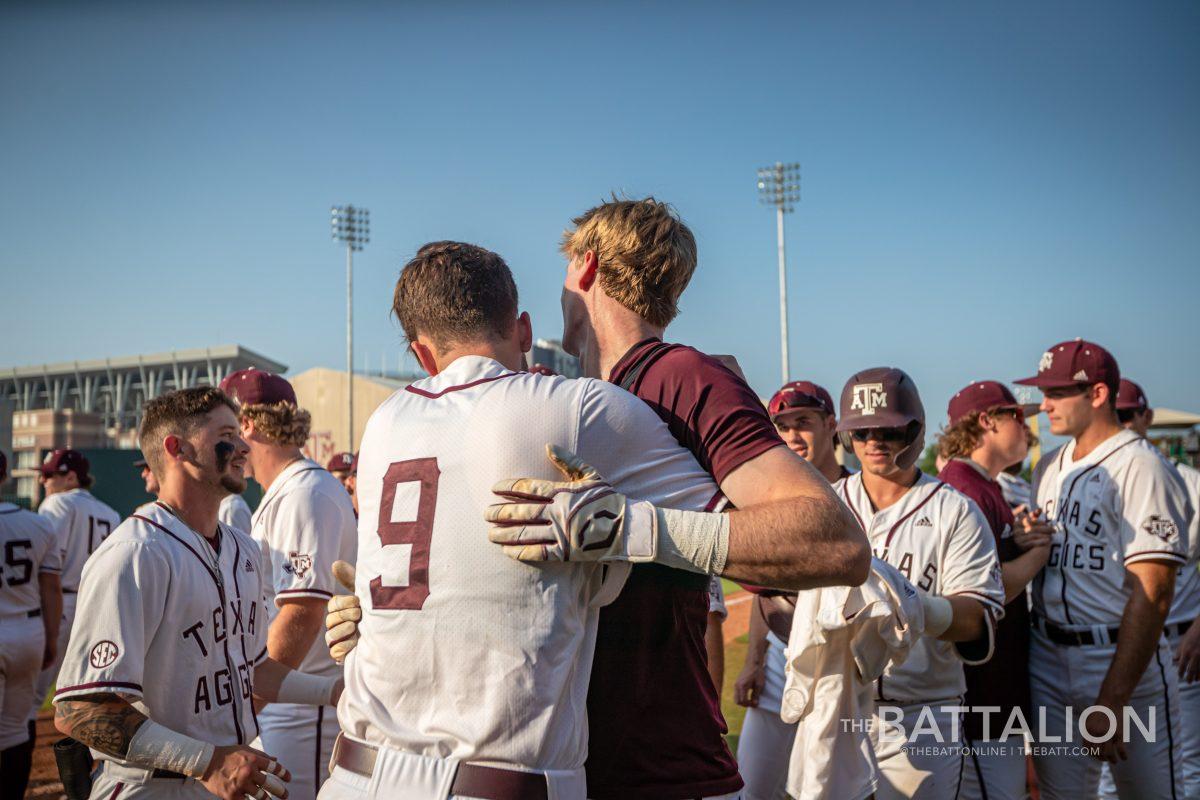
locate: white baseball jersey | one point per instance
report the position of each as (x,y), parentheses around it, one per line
(465,652)
(235,513)
(304,523)
(172,625)
(82,522)
(939,540)
(1186,605)
(28,546)
(1120,504)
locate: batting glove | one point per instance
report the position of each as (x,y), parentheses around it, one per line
(343,613)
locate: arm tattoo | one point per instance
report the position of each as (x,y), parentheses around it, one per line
(104,722)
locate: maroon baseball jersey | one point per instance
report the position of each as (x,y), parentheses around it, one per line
(656,729)
(1004,680)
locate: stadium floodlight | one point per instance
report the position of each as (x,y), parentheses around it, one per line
(779,186)
(351,226)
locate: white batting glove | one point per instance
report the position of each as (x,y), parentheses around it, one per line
(343,613)
(580,519)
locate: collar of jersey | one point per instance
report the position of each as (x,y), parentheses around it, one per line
(1106,447)
(858,493)
(282,478)
(464,369)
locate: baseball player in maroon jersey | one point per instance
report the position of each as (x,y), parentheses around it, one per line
(985,435)
(806,419)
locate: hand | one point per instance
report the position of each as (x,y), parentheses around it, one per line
(236,772)
(580,519)
(343,614)
(747,689)
(49,652)
(1113,749)
(1187,655)
(1032,531)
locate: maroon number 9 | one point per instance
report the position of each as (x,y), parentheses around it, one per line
(417,532)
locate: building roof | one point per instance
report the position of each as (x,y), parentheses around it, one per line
(1170,418)
(225,351)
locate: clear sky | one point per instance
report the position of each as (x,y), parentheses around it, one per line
(980,180)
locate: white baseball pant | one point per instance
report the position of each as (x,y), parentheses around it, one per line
(924,765)
(114,782)
(50,674)
(1064,677)
(21,644)
(301,738)
(994,770)
(765,745)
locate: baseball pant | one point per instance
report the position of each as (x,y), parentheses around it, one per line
(914,762)
(300,738)
(994,770)
(765,746)
(1069,677)
(50,674)
(114,782)
(21,644)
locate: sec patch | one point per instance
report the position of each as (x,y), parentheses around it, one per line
(104,654)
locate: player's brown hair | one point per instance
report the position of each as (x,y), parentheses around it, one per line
(963,437)
(645,255)
(279,423)
(176,413)
(455,292)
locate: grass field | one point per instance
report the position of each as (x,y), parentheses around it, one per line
(735,657)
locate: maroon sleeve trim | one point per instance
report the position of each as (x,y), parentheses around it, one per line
(304,591)
(983,598)
(137,687)
(1165,555)
(448,389)
(259,658)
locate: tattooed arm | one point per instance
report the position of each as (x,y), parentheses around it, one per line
(104,722)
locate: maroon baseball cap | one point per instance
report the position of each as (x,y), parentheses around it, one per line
(254,386)
(1131,397)
(341,462)
(60,462)
(800,394)
(354,465)
(1073,363)
(980,396)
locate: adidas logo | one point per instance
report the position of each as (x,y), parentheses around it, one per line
(923,521)
(1079,376)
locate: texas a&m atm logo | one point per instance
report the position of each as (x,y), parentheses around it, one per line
(868,397)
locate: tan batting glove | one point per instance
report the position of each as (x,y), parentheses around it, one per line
(343,615)
(580,519)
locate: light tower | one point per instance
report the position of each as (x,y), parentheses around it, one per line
(779,186)
(351,226)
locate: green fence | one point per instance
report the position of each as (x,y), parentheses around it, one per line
(119,483)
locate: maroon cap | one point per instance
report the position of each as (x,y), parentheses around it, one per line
(1075,362)
(980,396)
(1131,396)
(341,462)
(254,386)
(60,462)
(354,465)
(800,394)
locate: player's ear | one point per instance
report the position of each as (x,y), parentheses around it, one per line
(525,331)
(589,267)
(173,445)
(424,355)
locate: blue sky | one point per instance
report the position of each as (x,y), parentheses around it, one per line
(979,180)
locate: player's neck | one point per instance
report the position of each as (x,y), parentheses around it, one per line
(991,461)
(615,330)
(829,467)
(196,505)
(1094,435)
(507,353)
(270,462)
(885,491)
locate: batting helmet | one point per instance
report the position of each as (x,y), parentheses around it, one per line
(883,397)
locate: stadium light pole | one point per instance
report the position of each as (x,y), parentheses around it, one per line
(352,227)
(779,186)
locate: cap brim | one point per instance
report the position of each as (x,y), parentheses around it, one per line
(140,463)
(1048,383)
(877,420)
(803,401)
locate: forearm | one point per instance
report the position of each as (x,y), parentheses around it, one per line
(50,590)
(1137,639)
(294,630)
(967,622)
(756,648)
(104,722)
(278,683)
(1017,574)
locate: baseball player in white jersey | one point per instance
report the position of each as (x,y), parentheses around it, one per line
(938,539)
(303,524)
(30,609)
(82,523)
(1099,663)
(170,642)
(1135,414)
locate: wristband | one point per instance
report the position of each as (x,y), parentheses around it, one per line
(693,540)
(938,614)
(306,690)
(156,747)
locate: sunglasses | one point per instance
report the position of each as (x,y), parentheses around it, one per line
(1016,413)
(880,434)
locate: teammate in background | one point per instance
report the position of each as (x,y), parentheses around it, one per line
(170,643)
(344,467)
(303,524)
(804,415)
(1120,511)
(1017,491)
(30,611)
(82,522)
(1135,414)
(147,474)
(939,540)
(986,434)
(235,512)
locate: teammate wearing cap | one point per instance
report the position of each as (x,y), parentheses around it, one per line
(82,522)
(147,475)
(987,433)
(1120,512)
(1135,414)
(939,540)
(343,466)
(304,523)
(30,611)
(170,643)
(804,415)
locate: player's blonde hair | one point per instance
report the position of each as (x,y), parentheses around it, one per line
(645,255)
(963,437)
(280,423)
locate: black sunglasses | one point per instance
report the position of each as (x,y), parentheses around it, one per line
(879,434)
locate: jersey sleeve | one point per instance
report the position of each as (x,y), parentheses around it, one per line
(236,514)
(1154,512)
(971,567)
(58,514)
(50,560)
(305,541)
(121,601)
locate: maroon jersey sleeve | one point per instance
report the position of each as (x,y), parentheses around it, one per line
(709,409)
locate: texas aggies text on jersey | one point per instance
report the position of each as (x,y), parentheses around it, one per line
(1120,504)
(937,539)
(172,625)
